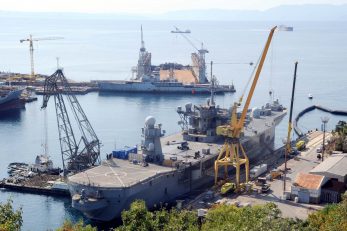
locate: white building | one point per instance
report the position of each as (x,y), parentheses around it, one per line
(307,187)
(334,168)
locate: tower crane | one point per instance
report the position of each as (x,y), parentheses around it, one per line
(79,155)
(200,56)
(232,153)
(31,49)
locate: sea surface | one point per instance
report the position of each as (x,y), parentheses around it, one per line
(96,49)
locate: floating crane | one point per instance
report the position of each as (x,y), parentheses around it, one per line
(31,49)
(232,152)
(201,65)
(80,155)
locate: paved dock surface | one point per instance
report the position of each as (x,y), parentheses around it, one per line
(304,162)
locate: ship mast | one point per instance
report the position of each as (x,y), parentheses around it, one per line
(142,49)
(144,62)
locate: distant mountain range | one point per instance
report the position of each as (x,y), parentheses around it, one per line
(308,12)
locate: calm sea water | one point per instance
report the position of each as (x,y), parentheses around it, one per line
(107,49)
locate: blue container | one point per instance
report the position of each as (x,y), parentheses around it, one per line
(124,153)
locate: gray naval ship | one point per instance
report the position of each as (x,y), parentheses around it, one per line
(166,167)
(165,78)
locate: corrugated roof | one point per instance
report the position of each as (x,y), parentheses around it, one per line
(335,164)
(308,181)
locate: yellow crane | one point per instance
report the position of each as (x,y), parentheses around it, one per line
(232,152)
(31,49)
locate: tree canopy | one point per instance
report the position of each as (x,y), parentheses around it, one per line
(10,219)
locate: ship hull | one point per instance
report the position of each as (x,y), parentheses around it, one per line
(160,87)
(11,101)
(165,187)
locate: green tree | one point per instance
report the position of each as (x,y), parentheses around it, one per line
(333,217)
(260,217)
(10,219)
(178,220)
(69,226)
(137,217)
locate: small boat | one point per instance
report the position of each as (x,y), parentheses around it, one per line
(310,96)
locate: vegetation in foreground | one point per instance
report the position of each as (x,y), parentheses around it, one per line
(223,217)
(10,219)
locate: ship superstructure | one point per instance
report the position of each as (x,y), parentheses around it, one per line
(144,66)
(166,167)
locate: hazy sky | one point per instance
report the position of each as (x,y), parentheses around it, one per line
(146,6)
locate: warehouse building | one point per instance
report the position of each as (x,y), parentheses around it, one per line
(334,168)
(307,188)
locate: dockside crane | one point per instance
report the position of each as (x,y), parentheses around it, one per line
(288,146)
(232,153)
(31,50)
(77,155)
(200,57)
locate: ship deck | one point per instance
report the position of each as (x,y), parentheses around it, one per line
(118,173)
(259,125)
(171,143)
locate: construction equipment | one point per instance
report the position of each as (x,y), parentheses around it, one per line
(227,187)
(288,148)
(31,49)
(80,155)
(300,145)
(275,174)
(200,57)
(260,181)
(232,153)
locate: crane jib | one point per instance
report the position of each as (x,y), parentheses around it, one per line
(85,153)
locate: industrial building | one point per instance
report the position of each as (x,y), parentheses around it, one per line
(325,183)
(334,169)
(307,187)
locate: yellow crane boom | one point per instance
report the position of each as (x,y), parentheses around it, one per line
(31,50)
(232,152)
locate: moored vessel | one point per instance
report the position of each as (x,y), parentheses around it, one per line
(166,78)
(165,167)
(10,99)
